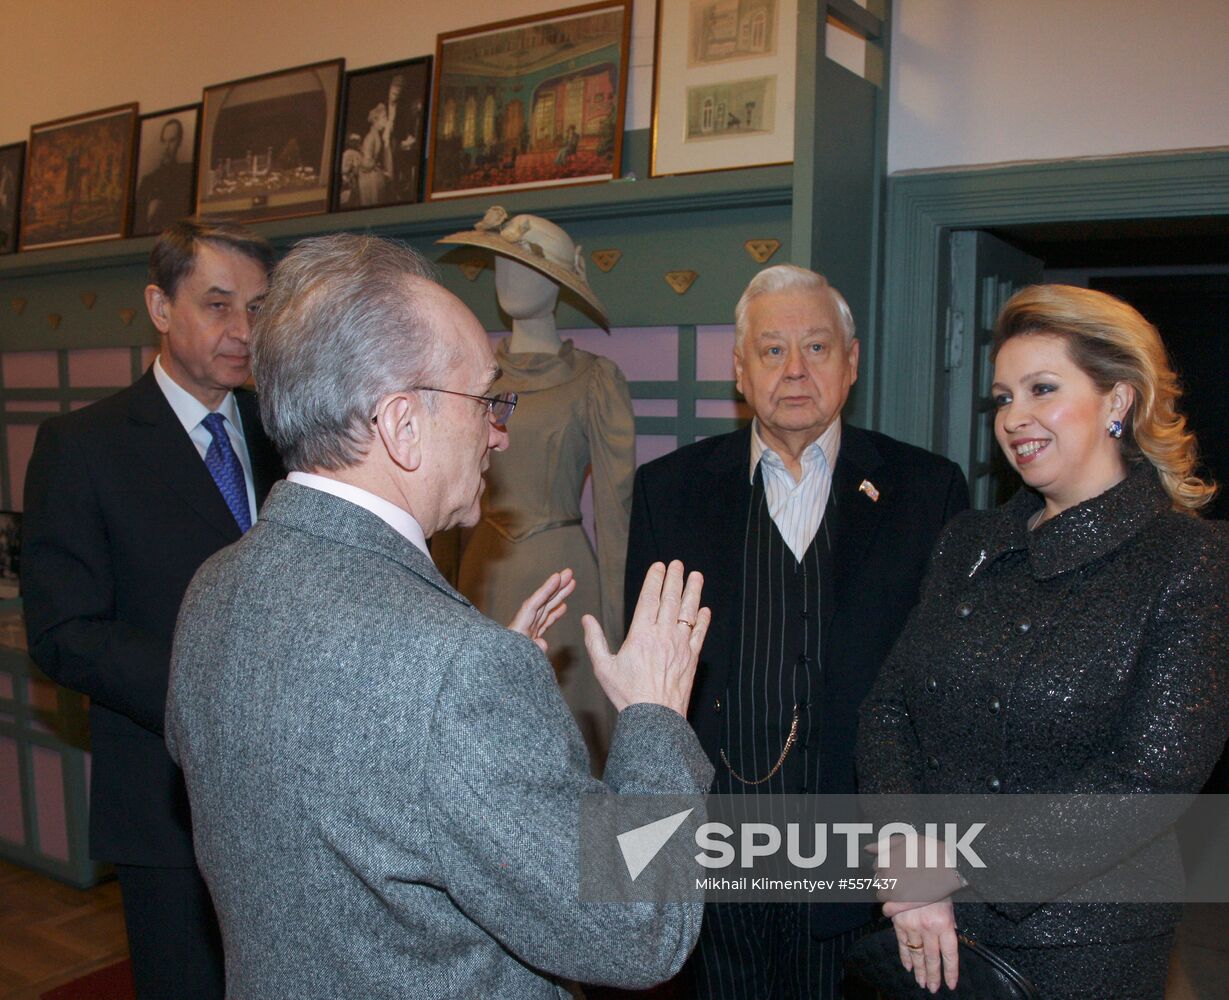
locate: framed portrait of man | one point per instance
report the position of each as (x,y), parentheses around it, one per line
(383,135)
(166,168)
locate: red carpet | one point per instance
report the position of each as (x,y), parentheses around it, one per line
(112,983)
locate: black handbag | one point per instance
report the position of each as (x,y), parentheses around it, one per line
(873,962)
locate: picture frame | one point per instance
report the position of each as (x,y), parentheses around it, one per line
(12,163)
(532,102)
(268,144)
(10,554)
(383,164)
(77,178)
(164,185)
(723,85)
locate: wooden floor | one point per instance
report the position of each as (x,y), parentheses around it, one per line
(51,933)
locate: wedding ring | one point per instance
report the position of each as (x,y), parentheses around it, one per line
(684,621)
(913,947)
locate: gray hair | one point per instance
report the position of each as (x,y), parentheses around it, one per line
(787,278)
(339,330)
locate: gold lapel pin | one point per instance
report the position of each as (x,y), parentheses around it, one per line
(868,488)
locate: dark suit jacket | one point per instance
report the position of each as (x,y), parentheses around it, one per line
(692,505)
(120,511)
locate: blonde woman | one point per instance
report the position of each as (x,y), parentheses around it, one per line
(1072,641)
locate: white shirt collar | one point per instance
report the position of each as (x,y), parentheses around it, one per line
(401,521)
(829,442)
(190,410)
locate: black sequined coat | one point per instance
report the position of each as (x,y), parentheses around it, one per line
(1088,656)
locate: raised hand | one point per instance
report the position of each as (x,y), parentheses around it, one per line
(544,607)
(657,661)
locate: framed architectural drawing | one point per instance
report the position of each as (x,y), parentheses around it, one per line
(166,168)
(78,175)
(383,135)
(534,102)
(267,144)
(723,84)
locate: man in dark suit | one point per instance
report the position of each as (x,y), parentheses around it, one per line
(124,501)
(812,537)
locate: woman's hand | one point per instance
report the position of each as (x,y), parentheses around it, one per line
(544,607)
(927,939)
(920,906)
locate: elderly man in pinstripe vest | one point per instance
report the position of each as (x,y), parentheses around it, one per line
(813,536)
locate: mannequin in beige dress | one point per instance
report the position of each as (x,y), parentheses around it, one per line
(573,417)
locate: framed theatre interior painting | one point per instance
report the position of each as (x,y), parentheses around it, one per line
(78,173)
(166,168)
(267,144)
(12,160)
(383,135)
(723,85)
(534,102)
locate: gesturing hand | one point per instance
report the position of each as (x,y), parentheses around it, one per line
(657,661)
(544,607)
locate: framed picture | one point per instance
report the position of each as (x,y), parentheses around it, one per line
(10,554)
(12,159)
(267,144)
(78,175)
(166,168)
(534,102)
(382,144)
(723,85)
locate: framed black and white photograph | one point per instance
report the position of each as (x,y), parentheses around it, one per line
(268,144)
(12,160)
(10,554)
(383,135)
(166,168)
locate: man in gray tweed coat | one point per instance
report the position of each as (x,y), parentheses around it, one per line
(386,785)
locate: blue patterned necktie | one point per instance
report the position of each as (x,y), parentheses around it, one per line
(223,465)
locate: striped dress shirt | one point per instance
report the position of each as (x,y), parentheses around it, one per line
(797,508)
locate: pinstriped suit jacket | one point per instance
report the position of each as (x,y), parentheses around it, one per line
(385,784)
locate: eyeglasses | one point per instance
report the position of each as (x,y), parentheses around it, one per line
(498,408)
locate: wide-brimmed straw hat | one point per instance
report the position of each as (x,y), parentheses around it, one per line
(537,243)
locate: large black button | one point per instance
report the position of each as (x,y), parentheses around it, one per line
(994,784)
(806,612)
(717,706)
(932,762)
(1023,627)
(994,705)
(932,685)
(964,610)
(803,660)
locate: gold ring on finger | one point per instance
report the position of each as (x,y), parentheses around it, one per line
(684,621)
(914,947)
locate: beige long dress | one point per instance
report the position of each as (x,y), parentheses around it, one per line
(574,413)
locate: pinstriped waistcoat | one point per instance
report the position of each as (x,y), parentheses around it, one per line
(779,668)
